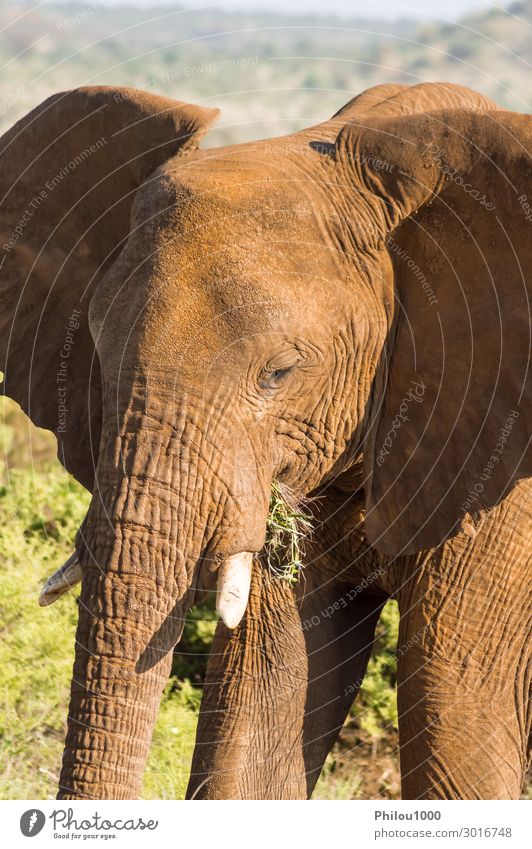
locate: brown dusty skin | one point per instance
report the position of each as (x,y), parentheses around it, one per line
(345,310)
(281,685)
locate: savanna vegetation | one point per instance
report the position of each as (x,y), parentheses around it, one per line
(41,507)
(269,75)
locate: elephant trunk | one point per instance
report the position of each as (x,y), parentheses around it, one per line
(143,537)
(114,696)
(130,617)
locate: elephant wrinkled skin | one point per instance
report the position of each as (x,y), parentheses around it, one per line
(344,310)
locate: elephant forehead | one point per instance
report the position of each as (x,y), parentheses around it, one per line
(234,240)
(201,326)
(221,198)
(217,255)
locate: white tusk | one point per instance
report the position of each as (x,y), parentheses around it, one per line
(61,581)
(234,581)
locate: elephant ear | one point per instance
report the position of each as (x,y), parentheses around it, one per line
(449,427)
(394,99)
(68,174)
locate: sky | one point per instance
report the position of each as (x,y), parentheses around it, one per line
(442,9)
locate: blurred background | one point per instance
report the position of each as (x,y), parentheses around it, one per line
(272,66)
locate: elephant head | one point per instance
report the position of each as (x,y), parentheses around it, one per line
(195,325)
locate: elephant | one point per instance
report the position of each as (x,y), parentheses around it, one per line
(343,312)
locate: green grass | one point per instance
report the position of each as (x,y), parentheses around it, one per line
(336,784)
(41,508)
(40,512)
(168,768)
(375,710)
(37,648)
(287,526)
(39,515)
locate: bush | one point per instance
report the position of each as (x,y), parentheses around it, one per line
(39,514)
(41,508)
(375,709)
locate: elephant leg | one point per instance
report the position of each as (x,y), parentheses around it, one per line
(464,672)
(279,687)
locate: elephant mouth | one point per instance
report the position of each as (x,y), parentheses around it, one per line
(233,581)
(228,575)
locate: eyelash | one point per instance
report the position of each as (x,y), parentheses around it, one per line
(271,379)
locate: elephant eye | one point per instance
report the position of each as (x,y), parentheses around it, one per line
(272,378)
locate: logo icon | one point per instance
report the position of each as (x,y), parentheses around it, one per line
(32,822)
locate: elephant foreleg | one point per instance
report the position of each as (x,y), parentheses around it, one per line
(278,689)
(464,671)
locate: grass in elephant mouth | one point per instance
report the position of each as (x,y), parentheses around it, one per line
(289,523)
